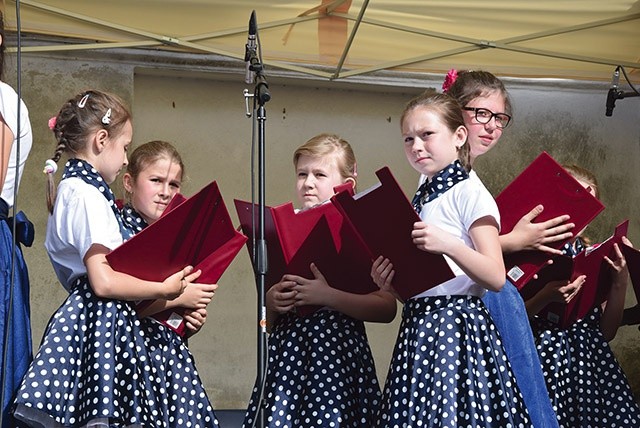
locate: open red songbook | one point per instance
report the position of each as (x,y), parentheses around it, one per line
(383,219)
(544,182)
(317,235)
(197,231)
(596,287)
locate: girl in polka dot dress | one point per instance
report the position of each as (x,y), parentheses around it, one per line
(486,111)
(585,381)
(92,368)
(449,367)
(320,370)
(154,175)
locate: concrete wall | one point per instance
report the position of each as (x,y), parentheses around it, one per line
(202,112)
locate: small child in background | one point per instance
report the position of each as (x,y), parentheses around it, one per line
(92,368)
(585,381)
(153,177)
(449,367)
(321,371)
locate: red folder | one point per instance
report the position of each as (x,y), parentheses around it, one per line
(383,219)
(596,287)
(544,182)
(197,232)
(317,235)
(633,263)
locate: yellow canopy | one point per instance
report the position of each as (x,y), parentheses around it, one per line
(333,39)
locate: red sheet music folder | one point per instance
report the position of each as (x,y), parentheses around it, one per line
(317,235)
(595,289)
(383,218)
(544,182)
(633,263)
(197,232)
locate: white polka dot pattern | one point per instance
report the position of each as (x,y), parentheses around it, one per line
(449,369)
(183,399)
(320,374)
(584,380)
(92,365)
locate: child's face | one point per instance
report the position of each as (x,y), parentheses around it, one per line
(154,187)
(592,191)
(483,136)
(114,156)
(316,178)
(428,143)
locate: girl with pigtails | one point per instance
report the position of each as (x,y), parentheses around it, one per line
(92,365)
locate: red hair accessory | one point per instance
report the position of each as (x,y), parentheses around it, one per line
(449,79)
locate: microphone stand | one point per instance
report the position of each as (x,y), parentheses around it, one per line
(261,96)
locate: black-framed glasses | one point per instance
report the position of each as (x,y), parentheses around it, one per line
(484,115)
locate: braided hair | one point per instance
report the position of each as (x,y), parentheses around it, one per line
(75,123)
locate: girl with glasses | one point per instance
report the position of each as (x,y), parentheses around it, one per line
(487,112)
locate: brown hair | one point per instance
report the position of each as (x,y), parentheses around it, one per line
(77,119)
(450,113)
(150,152)
(473,84)
(325,144)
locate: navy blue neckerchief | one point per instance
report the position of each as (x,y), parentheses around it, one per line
(133,221)
(440,183)
(573,249)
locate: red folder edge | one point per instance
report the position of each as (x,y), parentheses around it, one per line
(597,285)
(287,234)
(522,265)
(389,186)
(221,258)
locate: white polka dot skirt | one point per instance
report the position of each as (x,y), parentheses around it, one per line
(584,380)
(449,369)
(320,374)
(91,368)
(183,400)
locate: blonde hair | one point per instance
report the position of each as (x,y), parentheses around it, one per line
(78,119)
(588,177)
(585,175)
(330,144)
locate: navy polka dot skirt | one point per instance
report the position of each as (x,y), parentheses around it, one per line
(449,369)
(91,368)
(183,399)
(320,374)
(585,382)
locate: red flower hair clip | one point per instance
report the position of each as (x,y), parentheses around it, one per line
(449,79)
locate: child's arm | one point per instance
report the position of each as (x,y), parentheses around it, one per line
(484,265)
(195,296)
(527,235)
(377,306)
(614,306)
(110,284)
(554,291)
(6,141)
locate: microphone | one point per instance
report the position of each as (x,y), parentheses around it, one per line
(612,95)
(251,47)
